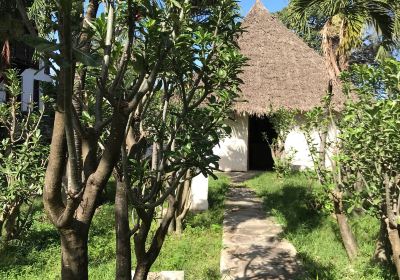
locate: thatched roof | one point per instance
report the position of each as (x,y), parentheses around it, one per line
(282,71)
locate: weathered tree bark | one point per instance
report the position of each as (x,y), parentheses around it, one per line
(141,271)
(394,239)
(172,225)
(10,225)
(382,250)
(349,241)
(391,220)
(183,202)
(329,50)
(74,254)
(123,244)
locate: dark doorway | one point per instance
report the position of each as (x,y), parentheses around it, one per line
(36,94)
(260,157)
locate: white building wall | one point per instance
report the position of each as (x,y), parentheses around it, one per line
(28,77)
(296,143)
(199,193)
(233,150)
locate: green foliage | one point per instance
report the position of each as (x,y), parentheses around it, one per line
(346,20)
(283,121)
(311,35)
(215,215)
(196,251)
(22,161)
(370,130)
(315,234)
(317,124)
(283,165)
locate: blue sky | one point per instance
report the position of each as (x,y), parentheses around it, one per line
(272,5)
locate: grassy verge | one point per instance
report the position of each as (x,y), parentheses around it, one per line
(315,235)
(197,250)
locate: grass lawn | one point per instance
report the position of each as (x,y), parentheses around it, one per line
(196,251)
(315,235)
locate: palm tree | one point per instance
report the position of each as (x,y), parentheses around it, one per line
(346,22)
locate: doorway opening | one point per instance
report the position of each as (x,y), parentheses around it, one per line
(260,157)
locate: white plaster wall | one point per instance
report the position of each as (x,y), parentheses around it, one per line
(28,77)
(199,193)
(2,93)
(233,151)
(296,141)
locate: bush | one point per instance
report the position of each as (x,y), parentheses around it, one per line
(22,162)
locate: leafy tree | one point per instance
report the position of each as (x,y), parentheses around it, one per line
(283,121)
(22,161)
(315,22)
(140,74)
(344,26)
(332,177)
(370,145)
(181,123)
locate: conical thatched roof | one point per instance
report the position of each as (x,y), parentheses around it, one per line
(282,70)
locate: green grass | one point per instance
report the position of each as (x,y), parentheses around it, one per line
(196,251)
(315,235)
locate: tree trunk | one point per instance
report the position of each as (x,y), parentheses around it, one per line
(141,271)
(178,225)
(349,241)
(123,246)
(382,250)
(183,201)
(328,48)
(348,238)
(74,255)
(1,227)
(394,239)
(11,223)
(172,226)
(145,259)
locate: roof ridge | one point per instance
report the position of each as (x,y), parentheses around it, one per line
(258,4)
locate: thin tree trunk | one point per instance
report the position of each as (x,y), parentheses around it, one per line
(183,201)
(172,225)
(1,226)
(394,239)
(123,250)
(145,259)
(348,239)
(179,225)
(74,255)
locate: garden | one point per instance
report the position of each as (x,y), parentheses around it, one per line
(98,166)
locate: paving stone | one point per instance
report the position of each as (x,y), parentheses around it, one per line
(252,248)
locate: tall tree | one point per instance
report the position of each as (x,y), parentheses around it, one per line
(114,70)
(180,122)
(345,25)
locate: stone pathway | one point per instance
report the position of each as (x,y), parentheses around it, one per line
(252,249)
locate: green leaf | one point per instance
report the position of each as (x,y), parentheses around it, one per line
(176,4)
(40,44)
(87,58)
